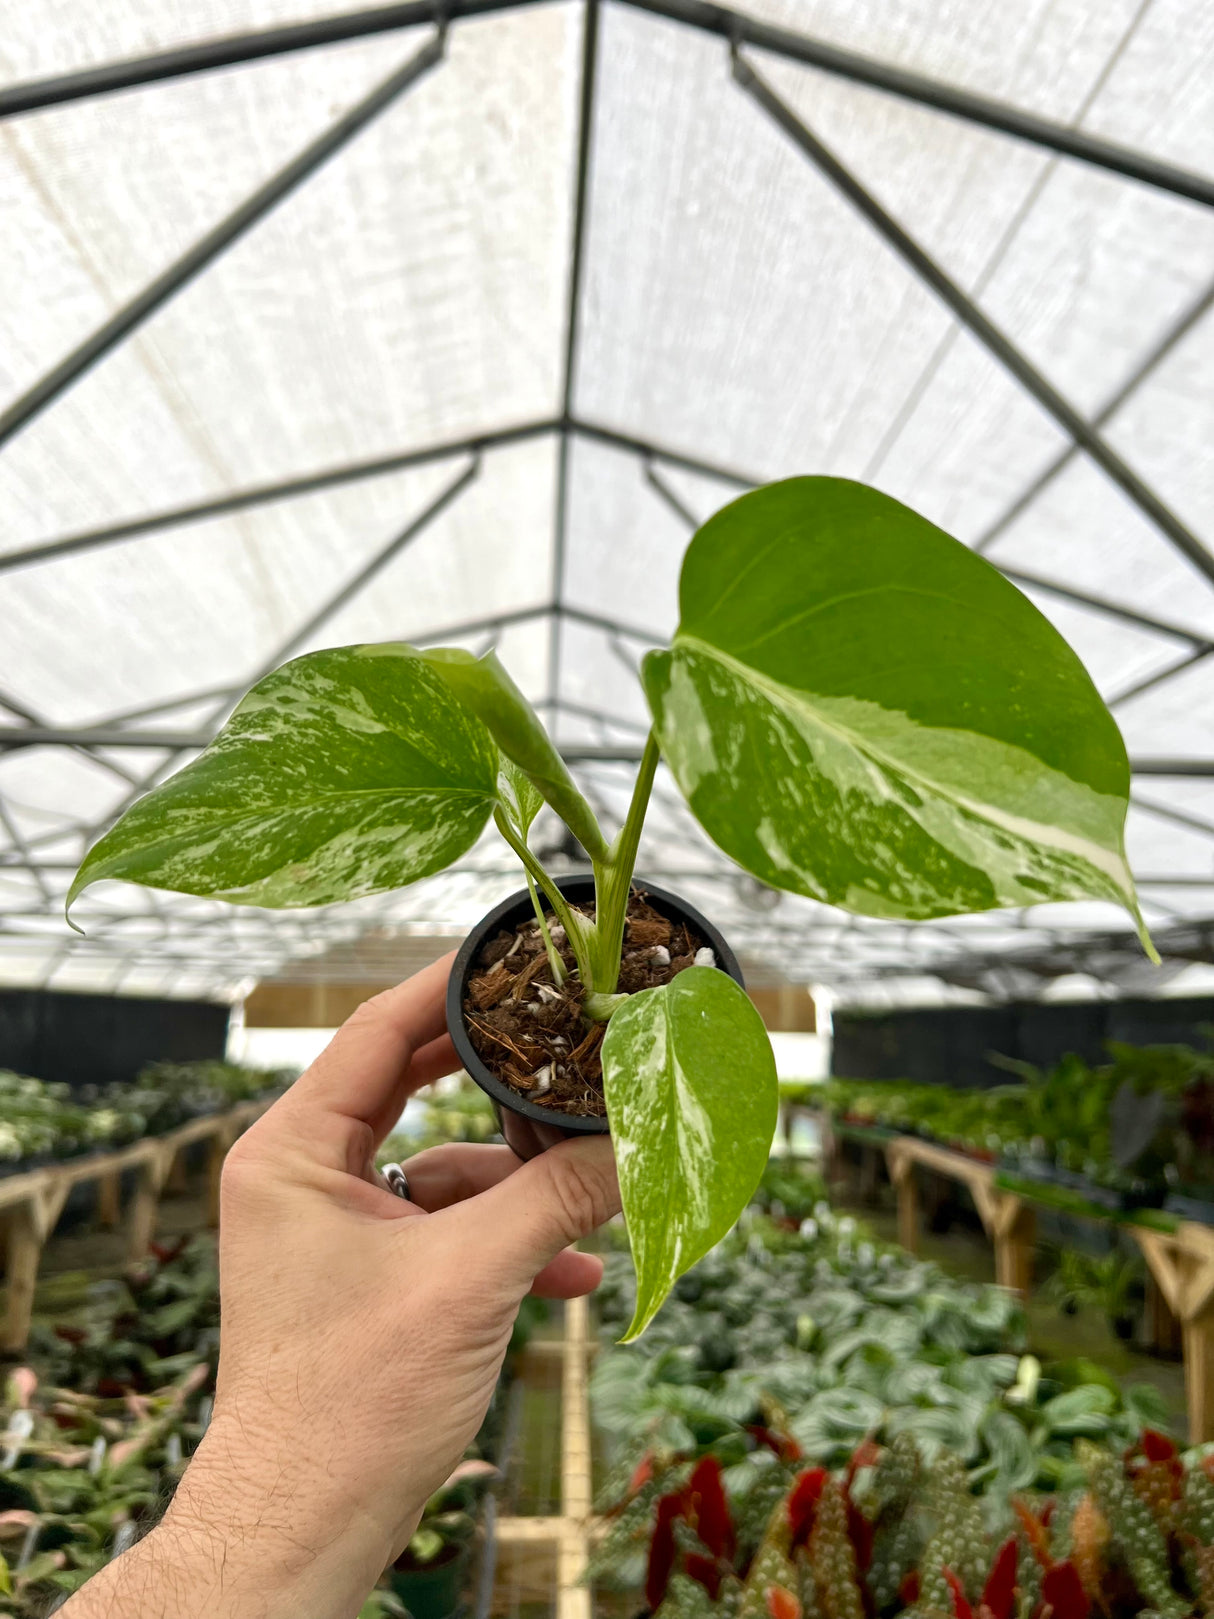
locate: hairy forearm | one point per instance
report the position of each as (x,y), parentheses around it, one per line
(234,1545)
(181,1573)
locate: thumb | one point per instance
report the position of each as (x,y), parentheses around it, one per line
(526,1220)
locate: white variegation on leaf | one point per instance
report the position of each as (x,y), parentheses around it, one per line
(691,1090)
(860,709)
(520,800)
(346,772)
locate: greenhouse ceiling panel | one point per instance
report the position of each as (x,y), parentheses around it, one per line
(450,324)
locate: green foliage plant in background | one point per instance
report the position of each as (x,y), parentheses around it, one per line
(856,707)
(1135,1126)
(43,1122)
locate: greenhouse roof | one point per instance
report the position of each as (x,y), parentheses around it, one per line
(450,325)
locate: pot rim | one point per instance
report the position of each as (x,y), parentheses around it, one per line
(582,885)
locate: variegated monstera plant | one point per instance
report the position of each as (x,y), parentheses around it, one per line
(856,707)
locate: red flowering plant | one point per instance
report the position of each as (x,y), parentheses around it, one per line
(892,1535)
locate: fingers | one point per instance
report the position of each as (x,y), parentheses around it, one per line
(570,1276)
(367,1071)
(522,1223)
(441,1176)
(432,1062)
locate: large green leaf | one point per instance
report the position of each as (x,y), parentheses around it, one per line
(346,772)
(691,1094)
(860,709)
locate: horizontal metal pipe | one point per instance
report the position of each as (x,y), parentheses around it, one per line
(722,21)
(265,494)
(1172,767)
(234,49)
(958,102)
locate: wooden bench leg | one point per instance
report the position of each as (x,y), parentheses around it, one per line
(141,1221)
(178,1179)
(908,1210)
(1014,1254)
(902,1174)
(870,1174)
(1199,1376)
(24,1254)
(109,1200)
(29,1225)
(1163,1328)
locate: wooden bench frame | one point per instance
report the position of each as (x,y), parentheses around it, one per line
(31,1203)
(1180,1262)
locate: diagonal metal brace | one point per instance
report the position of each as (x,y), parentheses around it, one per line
(1081,431)
(197,258)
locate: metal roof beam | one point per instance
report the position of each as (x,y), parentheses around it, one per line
(269,493)
(98,736)
(1102,604)
(966,310)
(573,314)
(204,252)
(354,472)
(722,21)
(234,50)
(740,29)
(1179,329)
(39,736)
(651,451)
(1172,767)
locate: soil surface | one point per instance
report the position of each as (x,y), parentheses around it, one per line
(532,1035)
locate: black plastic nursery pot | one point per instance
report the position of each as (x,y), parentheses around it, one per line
(527,1127)
(435,1591)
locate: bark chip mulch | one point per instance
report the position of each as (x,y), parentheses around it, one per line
(531,1033)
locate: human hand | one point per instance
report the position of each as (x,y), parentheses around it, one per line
(361,1335)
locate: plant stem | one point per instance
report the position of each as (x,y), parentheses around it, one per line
(612,886)
(554,956)
(577,930)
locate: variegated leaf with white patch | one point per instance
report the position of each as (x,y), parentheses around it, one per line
(860,709)
(346,772)
(691,1090)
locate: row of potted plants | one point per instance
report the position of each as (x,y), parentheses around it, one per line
(1137,1131)
(793,1350)
(41,1122)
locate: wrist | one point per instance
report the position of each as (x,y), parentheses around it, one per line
(271,1537)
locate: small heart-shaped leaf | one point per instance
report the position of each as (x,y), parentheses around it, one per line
(692,1097)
